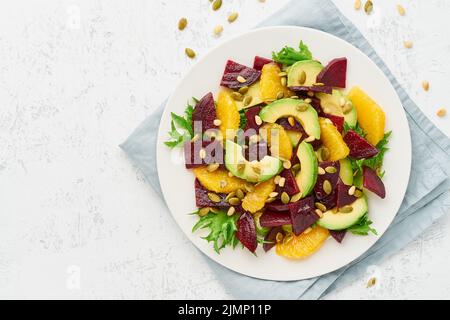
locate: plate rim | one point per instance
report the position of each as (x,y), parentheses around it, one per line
(159,144)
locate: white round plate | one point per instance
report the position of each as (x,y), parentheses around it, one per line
(177,183)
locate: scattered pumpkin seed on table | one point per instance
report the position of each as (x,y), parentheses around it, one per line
(357,4)
(182,23)
(216,5)
(408,44)
(441,112)
(425,85)
(232,17)
(368,7)
(401,11)
(218,30)
(190,53)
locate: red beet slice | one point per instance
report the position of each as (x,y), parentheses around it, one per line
(334,74)
(256,151)
(260,62)
(337,121)
(290,186)
(202,200)
(204,113)
(373,182)
(303,214)
(333,178)
(233,70)
(274,219)
(330,201)
(246,231)
(343,198)
(270,238)
(359,147)
(214,153)
(251,122)
(338,235)
(277,206)
(322,89)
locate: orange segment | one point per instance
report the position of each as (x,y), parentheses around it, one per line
(278,140)
(218,181)
(304,245)
(255,200)
(371,117)
(227,112)
(332,139)
(270,83)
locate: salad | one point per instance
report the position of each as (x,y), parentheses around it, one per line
(283,156)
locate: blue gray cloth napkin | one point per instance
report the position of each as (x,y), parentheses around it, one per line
(427,197)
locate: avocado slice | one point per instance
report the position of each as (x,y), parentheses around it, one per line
(254,92)
(331,104)
(284,108)
(307,177)
(311,68)
(333,220)
(255,171)
(346,171)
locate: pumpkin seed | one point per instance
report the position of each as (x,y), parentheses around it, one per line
(214,197)
(358,193)
(241,79)
(372,281)
(310,94)
(203,211)
(357,4)
(282,182)
(258,120)
(182,23)
(351,191)
(216,5)
(195,137)
(319,213)
(230,175)
(295,97)
(296,197)
(212,167)
(310,139)
(232,17)
(368,7)
(321,171)
(249,188)
(276,180)
(296,167)
(330,169)
(218,30)
(408,44)
(279,237)
(234,201)
(240,194)
(283,81)
(190,53)
(215,210)
(237,96)
(231,211)
(307,230)
(325,153)
(248,100)
(327,187)
(273,194)
(342,102)
(318,84)
(282,74)
(302,107)
(285,198)
(441,112)
(302,77)
(270,200)
(307,100)
(291,121)
(346,209)
(401,10)
(240,167)
(243,90)
(425,85)
(348,106)
(217,122)
(230,195)
(202,153)
(320,206)
(287,164)
(288,238)
(280,95)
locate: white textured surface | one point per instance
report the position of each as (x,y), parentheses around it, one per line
(71,91)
